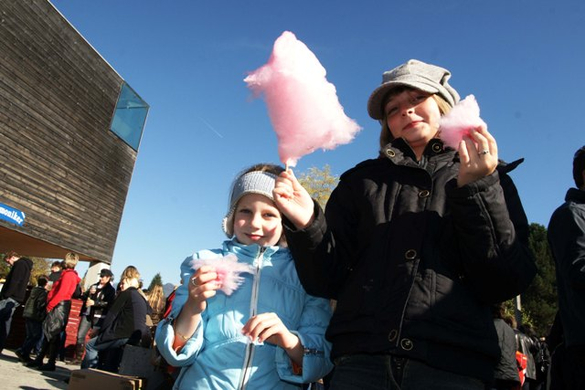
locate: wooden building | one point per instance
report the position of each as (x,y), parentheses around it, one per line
(70,128)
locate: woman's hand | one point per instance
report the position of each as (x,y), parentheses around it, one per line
(269,327)
(202,286)
(478,154)
(293,200)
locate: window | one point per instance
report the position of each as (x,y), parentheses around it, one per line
(129,116)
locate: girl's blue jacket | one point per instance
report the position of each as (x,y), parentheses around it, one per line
(218,356)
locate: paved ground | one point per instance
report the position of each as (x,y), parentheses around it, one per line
(14,375)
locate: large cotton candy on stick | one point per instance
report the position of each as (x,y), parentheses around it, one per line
(228,271)
(303,106)
(459,121)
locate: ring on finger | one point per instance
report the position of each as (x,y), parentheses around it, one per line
(484,152)
(194,282)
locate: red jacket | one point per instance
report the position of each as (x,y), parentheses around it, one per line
(63,288)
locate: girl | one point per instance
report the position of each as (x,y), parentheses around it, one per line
(268,334)
(415,245)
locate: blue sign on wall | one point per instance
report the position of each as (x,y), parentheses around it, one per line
(9,214)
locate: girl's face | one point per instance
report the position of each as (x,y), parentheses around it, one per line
(414,116)
(257,221)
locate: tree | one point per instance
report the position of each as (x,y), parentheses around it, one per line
(156,281)
(4,268)
(319,183)
(539,301)
(40,267)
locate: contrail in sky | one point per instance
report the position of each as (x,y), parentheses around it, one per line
(211,127)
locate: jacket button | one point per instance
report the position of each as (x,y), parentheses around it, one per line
(437,147)
(424,193)
(410,254)
(392,335)
(390,153)
(406,344)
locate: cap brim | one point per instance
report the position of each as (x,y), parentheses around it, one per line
(375,109)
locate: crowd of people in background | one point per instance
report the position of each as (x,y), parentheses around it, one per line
(110,316)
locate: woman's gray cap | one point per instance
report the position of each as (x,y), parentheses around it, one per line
(255,182)
(416,74)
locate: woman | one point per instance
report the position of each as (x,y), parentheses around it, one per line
(58,308)
(415,245)
(124,323)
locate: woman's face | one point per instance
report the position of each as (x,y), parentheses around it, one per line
(257,221)
(414,116)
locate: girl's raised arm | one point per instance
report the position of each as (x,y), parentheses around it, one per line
(293,200)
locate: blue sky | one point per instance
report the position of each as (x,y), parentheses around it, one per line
(523,60)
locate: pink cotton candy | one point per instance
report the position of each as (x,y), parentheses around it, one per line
(457,123)
(228,271)
(302,105)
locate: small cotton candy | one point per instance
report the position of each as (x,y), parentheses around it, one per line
(457,122)
(228,271)
(303,106)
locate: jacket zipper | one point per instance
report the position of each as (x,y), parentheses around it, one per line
(249,354)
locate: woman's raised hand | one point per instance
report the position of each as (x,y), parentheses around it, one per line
(478,154)
(293,200)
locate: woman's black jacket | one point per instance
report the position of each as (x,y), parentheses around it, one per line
(126,317)
(414,262)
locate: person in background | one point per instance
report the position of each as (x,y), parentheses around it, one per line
(55,274)
(14,291)
(96,301)
(130,272)
(566,237)
(124,323)
(157,301)
(268,333)
(58,308)
(35,311)
(506,373)
(526,347)
(415,245)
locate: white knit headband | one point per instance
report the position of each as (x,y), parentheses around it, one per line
(255,182)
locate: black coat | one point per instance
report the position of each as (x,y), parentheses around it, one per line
(126,317)
(507,368)
(414,261)
(103,299)
(17,280)
(566,236)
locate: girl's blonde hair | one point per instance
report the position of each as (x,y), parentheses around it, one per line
(385,134)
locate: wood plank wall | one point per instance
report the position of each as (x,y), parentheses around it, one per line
(59,162)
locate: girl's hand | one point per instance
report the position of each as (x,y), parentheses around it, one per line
(479,156)
(293,200)
(202,286)
(269,327)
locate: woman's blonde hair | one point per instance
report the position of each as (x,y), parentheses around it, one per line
(71,260)
(385,134)
(157,301)
(130,282)
(130,272)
